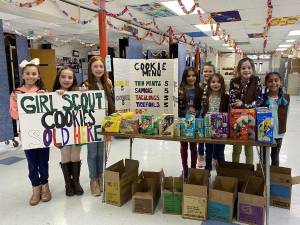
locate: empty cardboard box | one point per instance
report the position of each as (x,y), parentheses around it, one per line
(281,182)
(146,192)
(194,204)
(118,181)
(222,198)
(251,201)
(172,188)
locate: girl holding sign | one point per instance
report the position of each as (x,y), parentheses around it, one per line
(70,154)
(189,95)
(97,80)
(37,158)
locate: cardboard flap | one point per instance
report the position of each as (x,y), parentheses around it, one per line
(240,174)
(131,164)
(275,169)
(178,184)
(198,177)
(296,180)
(234,165)
(117,167)
(167,184)
(130,167)
(194,190)
(221,196)
(254,186)
(226,184)
(283,170)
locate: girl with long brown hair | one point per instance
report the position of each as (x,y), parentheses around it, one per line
(97,80)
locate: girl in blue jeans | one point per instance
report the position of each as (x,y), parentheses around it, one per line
(97,80)
(217,101)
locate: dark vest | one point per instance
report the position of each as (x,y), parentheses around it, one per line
(282,115)
(251,89)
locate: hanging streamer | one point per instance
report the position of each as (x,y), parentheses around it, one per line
(28,4)
(182,6)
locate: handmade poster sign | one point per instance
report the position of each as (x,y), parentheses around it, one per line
(49,119)
(121,81)
(151,86)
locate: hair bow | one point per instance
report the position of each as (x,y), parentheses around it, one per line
(34,61)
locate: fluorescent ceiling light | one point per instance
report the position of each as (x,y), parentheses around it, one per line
(294,33)
(175,7)
(290,41)
(205,27)
(285,46)
(281,49)
(216,38)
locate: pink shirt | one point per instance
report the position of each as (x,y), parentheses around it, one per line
(13,106)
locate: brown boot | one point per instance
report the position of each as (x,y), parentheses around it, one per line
(100,179)
(95,188)
(36,195)
(76,174)
(45,194)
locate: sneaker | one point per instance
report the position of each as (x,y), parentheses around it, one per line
(215,164)
(201,161)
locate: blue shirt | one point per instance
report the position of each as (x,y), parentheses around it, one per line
(190,96)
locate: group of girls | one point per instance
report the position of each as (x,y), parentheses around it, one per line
(245,91)
(70,155)
(195,97)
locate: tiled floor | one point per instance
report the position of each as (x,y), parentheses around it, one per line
(15,188)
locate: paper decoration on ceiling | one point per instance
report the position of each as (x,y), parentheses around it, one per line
(284,21)
(256,35)
(196,34)
(28,4)
(243,43)
(153,9)
(226,16)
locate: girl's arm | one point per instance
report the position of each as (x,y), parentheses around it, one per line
(258,95)
(13,107)
(233,94)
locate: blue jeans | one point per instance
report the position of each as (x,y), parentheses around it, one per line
(38,165)
(95,158)
(216,151)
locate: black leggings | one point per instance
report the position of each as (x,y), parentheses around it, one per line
(274,153)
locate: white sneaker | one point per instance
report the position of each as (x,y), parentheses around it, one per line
(201,161)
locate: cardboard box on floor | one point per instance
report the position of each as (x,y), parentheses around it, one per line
(281,182)
(146,192)
(118,180)
(194,205)
(240,174)
(222,198)
(172,188)
(251,201)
